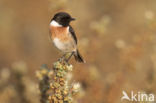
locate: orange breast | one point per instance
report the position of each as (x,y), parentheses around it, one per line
(59,32)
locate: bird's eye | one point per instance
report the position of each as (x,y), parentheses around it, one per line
(65,18)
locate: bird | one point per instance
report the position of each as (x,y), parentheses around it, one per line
(63,35)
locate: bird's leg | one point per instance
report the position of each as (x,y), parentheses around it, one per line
(69,57)
(62,58)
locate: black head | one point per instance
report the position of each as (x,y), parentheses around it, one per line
(63,18)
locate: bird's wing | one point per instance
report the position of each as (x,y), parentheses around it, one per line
(71,30)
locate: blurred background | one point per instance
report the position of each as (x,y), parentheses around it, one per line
(116,38)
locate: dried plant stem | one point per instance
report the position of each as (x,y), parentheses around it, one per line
(56,84)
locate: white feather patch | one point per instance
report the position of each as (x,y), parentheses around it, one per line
(58,43)
(64,46)
(54,23)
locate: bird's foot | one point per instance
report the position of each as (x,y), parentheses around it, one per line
(61,59)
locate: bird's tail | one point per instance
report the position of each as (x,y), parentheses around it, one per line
(78,57)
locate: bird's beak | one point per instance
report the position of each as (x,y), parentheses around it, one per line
(72,19)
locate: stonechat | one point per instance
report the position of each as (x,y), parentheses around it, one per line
(63,35)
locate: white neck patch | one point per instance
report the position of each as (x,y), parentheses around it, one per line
(54,23)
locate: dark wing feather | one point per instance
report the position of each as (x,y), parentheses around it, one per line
(71,30)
